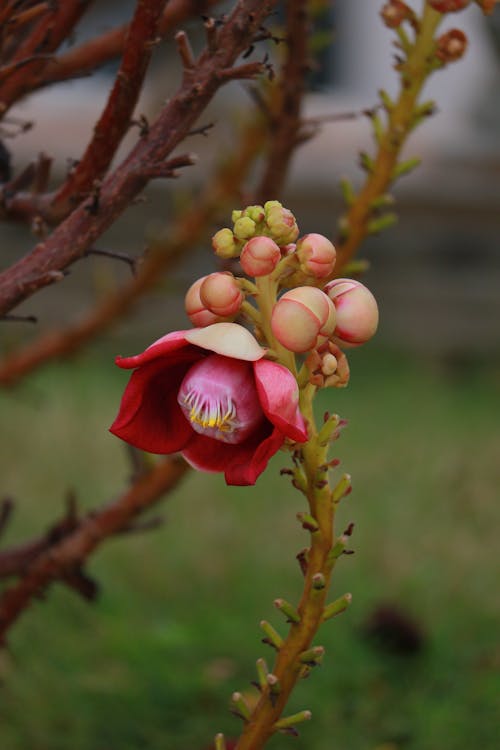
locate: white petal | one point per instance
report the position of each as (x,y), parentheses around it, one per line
(228,339)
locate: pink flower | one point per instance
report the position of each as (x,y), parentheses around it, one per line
(210,394)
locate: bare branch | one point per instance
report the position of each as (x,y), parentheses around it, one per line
(89,56)
(114,121)
(285,120)
(63,559)
(80,230)
(50,28)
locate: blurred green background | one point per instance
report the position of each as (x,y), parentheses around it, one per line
(174,632)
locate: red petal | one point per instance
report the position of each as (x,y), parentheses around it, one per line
(248,470)
(243,463)
(168,344)
(149,416)
(278,395)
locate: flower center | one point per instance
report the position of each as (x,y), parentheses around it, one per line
(219,398)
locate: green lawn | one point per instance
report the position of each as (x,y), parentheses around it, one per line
(175,630)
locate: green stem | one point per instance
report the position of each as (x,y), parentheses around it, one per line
(401,120)
(289,667)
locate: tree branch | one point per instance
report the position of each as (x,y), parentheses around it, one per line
(285,118)
(89,56)
(64,558)
(47,33)
(114,121)
(81,229)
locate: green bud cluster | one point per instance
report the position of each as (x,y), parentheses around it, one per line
(270,220)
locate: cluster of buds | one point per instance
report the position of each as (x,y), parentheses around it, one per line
(270,220)
(305,320)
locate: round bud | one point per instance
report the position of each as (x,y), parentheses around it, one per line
(451,46)
(196,311)
(223,244)
(244,228)
(303,318)
(260,256)
(316,255)
(220,293)
(256,213)
(281,223)
(394,13)
(357,311)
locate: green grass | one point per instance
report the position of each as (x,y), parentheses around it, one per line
(175,630)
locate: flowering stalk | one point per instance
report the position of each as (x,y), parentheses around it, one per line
(229,400)
(367,210)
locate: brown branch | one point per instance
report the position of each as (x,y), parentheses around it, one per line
(89,56)
(64,558)
(47,33)
(189,228)
(80,230)
(285,117)
(114,121)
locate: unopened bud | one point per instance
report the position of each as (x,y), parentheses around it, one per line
(223,244)
(244,228)
(357,311)
(451,46)
(328,364)
(197,313)
(256,213)
(281,223)
(260,256)
(316,255)
(220,293)
(448,6)
(394,13)
(302,318)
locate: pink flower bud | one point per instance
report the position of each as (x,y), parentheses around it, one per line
(220,293)
(303,318)
(197,313)
(316,254)
(260,256)
(357,311)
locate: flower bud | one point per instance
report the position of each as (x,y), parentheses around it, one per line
(244,228)
(451,46)
(303,318)
(316,255)
(448,6)
(357,311)
(196,311)
(260,256)
(223,244)
(256,213)
(220,293)
(281,223)
(395,12)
